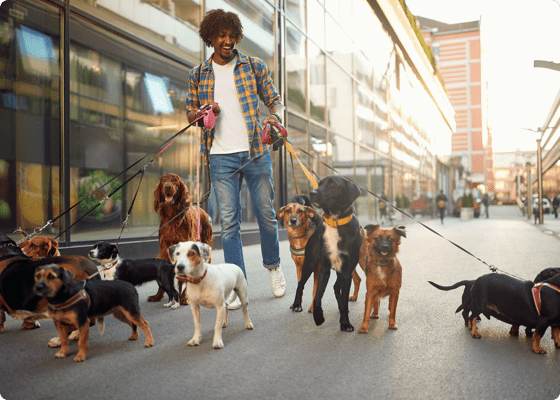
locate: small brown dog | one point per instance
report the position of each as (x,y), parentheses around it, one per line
(38,246)
(378,259)
(171,196)
(298,219)
(71,304)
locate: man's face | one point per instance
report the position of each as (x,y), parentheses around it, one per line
(223,44)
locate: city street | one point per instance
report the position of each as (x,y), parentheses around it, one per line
(430,356)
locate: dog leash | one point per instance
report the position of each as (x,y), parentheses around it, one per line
(490,266)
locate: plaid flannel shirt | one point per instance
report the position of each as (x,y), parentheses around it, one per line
(250,86)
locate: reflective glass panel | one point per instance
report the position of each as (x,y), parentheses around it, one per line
(296,67)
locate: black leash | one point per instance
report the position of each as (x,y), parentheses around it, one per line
(490,266)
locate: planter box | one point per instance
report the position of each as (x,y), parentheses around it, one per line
(467,213)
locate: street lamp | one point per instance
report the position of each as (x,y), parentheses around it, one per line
(539,173)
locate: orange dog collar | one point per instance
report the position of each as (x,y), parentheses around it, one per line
(194,281)
(537,294)
(335,223)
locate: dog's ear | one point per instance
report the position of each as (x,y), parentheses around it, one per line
(311,213)
(205,251)
(51,252)
(184,195)
(353,190)
(371,228)
(157,197)
(64,274)
(171,251)
(280,213)
(114,251)
(399,230)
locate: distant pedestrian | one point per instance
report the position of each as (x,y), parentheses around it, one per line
(486,202)
(441,201)
(555,205)
(383,201)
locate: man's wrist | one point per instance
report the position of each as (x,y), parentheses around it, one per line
(277,116)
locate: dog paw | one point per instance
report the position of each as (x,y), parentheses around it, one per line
(29,325)
(167,305)
(318,317)
(184,302)
(134,336)
(374,316)
(154,298)
(74,335)
(295,308)
(60,355)
(149,343)
(352,298)
(363,329)
(393,326)
(310,310)
(218,344)
(539,350)
(54,342)
(346,327)
(193,342)
(476,335)
(80,357)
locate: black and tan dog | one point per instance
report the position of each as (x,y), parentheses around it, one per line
(518,302)
(137,272)
(378,259)
(17,270)
(301,221)
(72,303)
(466,297)
(335,244)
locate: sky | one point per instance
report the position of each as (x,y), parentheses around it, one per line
(514,34)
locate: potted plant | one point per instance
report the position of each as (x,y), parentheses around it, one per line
(467,207)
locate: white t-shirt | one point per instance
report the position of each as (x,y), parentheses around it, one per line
(230,132)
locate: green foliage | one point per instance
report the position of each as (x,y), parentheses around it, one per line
(88,201)
(467,201)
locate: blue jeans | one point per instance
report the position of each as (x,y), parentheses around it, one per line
(226,183)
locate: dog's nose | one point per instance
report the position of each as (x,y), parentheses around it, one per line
(293,220)
(39,287)
(167,186)
(180,267)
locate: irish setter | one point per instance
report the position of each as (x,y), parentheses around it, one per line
(170,198)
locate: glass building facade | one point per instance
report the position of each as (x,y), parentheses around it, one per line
(88,87)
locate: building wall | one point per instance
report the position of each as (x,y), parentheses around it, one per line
(354,101)
(459,54)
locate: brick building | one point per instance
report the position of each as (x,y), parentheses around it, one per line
(458,51)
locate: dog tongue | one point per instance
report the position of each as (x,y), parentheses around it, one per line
(168,199)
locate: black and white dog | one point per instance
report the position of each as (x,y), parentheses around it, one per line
(335,244)
(136,272)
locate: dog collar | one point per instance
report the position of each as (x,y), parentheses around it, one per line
(537,294)
(335,223)
(297,252)
(300,236)
(82,294)
(382,263)
(194,281)
(110,265)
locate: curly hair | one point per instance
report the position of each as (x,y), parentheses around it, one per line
(215,21)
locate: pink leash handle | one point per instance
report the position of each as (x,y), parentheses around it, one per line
(267,137)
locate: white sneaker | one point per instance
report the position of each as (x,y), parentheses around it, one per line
(277,282)
(233,304)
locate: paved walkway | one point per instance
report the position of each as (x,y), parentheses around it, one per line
(430,356)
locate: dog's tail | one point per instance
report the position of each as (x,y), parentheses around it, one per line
(455,286)
(101,326)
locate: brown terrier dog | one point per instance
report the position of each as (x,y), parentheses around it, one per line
(383,271)
(298,219)
(72,303)
(38,246)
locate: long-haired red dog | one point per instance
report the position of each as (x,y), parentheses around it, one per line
(171,196)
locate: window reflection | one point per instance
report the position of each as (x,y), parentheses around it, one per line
(316,82)
(298,137)
(295,11)
(316,22)
(295,66)
(339,45)
(339,100)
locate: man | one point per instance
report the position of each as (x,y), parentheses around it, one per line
(441,200)
(486,202)
(235,82)
(555,205)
